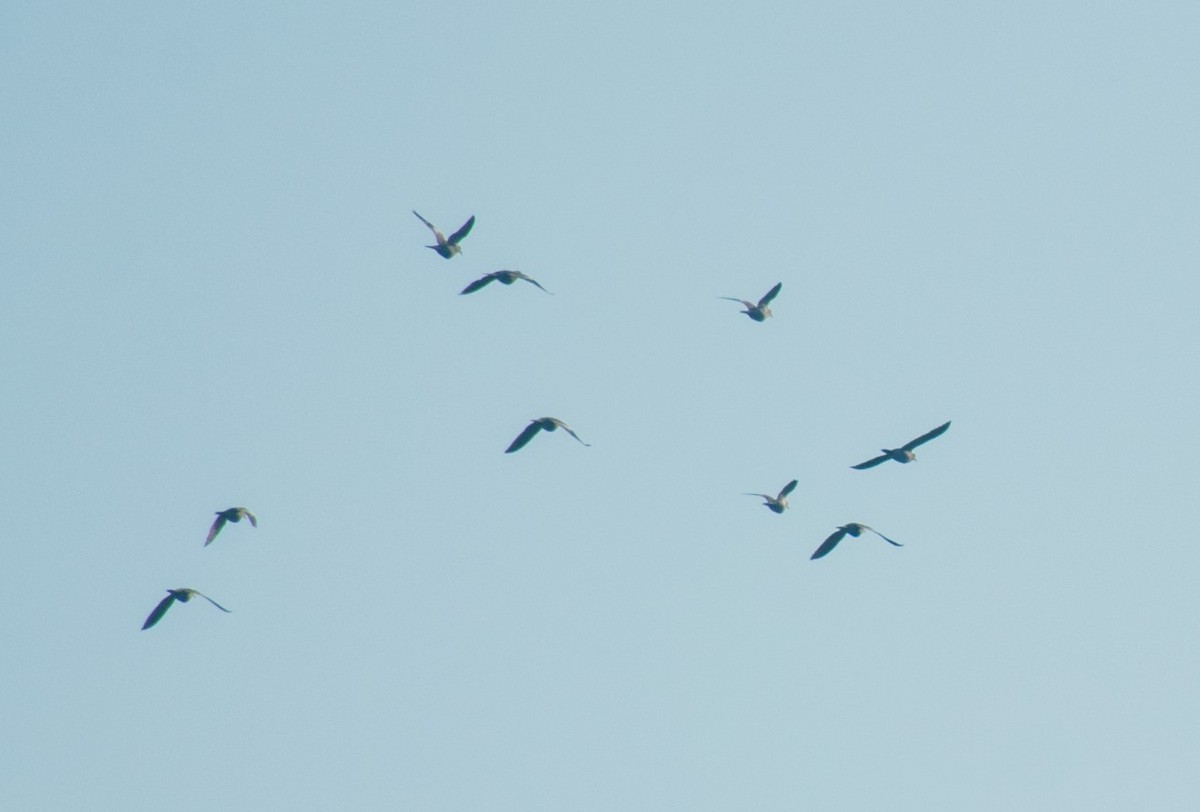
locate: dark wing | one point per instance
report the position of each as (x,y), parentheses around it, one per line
(462,232)
(828,544)
(159,611)
(871,463)
(524,437)
(926,437)
(771,294)
(567,429)
(882,536)
(478,284)
(210,600)
(787,489)
(532,281)
(217,524)
(250,516)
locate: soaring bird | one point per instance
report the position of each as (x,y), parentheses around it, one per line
(235,515)
(905,452)
(777,504)
(448,247)
(181,595)
(760,311)
(540,424)
(854,530)
(503,277)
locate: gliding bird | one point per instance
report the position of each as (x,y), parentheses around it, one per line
(541,424)
(854,530)
(181,595)
(503,277)
(776,504)
(235,515)
(447,248)
(904,453)
(760,311)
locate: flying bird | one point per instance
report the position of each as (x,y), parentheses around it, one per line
(541,424)
(904,453)
(777,504)
(181,595)
(235,515)
(503,277)
(854,530)
(448,247)
(760,311)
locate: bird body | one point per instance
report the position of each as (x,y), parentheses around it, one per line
(503,277)
(776,504)
(447,248)
(233,514)
(540,424)
(183,596)
(904,454)
(760,311)
(854,530)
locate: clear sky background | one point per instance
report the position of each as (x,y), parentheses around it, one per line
(214,294)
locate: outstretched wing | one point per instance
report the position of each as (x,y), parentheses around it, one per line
(478,284)
(828,544)
(432,227)
(217,524)
(739,301)
(882,536)
(462,232)
(159,611)
(524,437)
(771,294)
(927,436)
(871,463)
(567,429)
(532,281)
(787,489)
(210,600)
(250,516)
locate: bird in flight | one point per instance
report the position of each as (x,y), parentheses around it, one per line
(854,530)
(503,277)
(448,247)
(760,311)
(181,595)
(541,424)
(904,453)
(777,504)
(235,515)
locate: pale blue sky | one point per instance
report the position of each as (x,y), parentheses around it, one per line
(214,294)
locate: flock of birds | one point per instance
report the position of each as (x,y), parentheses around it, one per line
(450,247)
(183,595)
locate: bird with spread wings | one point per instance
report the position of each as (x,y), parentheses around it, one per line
(760,311)
(776,504)
(854,530)
(447,248)
(904,453)
(540,424)
(183,596)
